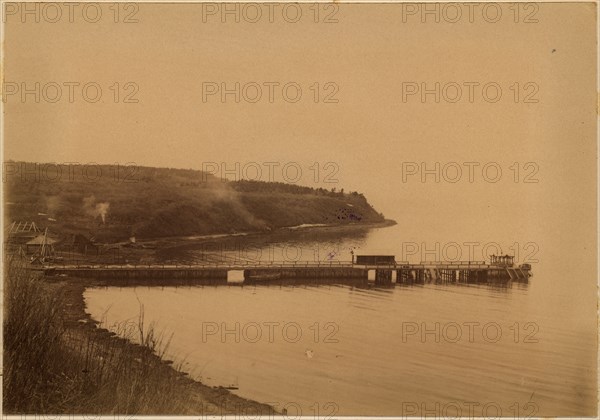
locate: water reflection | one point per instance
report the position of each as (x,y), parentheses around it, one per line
(393,345)
(368,320)
(292,245)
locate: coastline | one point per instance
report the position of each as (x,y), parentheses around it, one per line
(301,228)
(80,327)
(161,249)
(196,398)
(166,244)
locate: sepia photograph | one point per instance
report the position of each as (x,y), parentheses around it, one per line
(287,210)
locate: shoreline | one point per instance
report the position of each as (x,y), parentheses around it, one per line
(287,229)
(263,237)
(206,400)
(156,250)
(199,399)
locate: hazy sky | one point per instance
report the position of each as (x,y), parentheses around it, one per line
(371,56)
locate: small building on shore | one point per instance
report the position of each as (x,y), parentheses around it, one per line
(78,243)
(41,244)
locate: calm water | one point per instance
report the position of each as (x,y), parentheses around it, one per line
(354,350)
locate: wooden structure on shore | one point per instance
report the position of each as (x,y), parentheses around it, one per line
(41,245)
(19,233)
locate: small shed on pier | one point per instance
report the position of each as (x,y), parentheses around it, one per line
(507,260)
(375,259)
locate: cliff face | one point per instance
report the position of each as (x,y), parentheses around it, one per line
(159,202)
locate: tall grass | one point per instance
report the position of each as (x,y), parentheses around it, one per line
(50,367)
(32,340)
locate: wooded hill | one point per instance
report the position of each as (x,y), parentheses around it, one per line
(113,203)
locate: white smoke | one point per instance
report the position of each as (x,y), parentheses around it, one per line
(91,208)
(53,204)
(219,191)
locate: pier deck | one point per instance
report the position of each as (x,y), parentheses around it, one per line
(260,271)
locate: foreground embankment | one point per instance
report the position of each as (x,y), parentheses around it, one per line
(57,360)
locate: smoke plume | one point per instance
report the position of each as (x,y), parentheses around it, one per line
(53,204)
(218,191)
(91,208)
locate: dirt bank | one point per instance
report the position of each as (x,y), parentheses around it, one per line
(196,398)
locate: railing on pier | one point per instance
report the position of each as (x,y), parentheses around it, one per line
(209,265)
(454,264)
(245,264)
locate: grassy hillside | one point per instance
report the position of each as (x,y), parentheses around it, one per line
(160,202)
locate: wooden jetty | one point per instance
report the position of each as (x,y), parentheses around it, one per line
(380,271)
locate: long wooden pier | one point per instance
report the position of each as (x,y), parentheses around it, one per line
(270,272)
